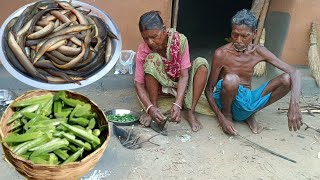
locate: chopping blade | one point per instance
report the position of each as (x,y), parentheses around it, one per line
(160,127)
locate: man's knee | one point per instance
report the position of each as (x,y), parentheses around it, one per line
(286,80)
(231,82)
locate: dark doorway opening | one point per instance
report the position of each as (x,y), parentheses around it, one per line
(206,23)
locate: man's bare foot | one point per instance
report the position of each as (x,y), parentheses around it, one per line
(193,121)
(255,127)
(145,120)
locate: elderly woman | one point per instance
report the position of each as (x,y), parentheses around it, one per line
(162,66)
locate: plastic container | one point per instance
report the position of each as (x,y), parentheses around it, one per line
(125,62)
(6,97)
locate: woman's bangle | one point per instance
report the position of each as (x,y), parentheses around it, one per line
(177,105)
(148,108)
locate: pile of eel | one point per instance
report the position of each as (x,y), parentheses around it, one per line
(57,42)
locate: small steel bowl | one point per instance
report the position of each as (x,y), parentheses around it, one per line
(122,112)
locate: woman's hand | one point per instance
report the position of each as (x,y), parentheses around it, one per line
(181,89)
(176,113)
(156,114)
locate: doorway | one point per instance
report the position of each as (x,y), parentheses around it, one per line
(206,23)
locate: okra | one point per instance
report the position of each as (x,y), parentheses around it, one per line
(89,131)
(22,137)
(17,124)
(38,160)
(28,153)
(66,148)
(67,109)
(31,115)
(81,121)
(86,144)
(39,109)
(73,148)
(42,128)
(80,127)
(32,100)
(53,159)
(56,96)
(96,132)
(57,134)
(18,114)
(50,143)
(33,143)
(61,128)
(25,156)
(69,101)
(72,139)
(62,114)
(17,130)
(49,147)
(62,154)
(83,110)
(32,121)
(44,156)
(57,107)
(95,145)
(14,149)
(92,123)
(53,122)
(47,108)
(90,115)
(74,156)
(75,109)
(82,134)
(24,120)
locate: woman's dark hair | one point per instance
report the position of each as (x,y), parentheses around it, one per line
(245,17)
(150,20)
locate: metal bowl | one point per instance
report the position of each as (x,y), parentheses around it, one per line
(122,112)
(116,51)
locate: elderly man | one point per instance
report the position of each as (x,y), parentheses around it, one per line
(231,76)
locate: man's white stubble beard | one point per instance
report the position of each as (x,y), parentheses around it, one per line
(239,50)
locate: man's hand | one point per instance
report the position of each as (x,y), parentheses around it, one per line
(156,114)
(175,114)
(227,126)
(294,117)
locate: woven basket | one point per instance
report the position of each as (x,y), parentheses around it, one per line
(68,171)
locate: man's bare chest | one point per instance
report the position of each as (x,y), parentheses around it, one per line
(242,63)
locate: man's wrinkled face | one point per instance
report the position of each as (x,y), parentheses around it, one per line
(242,36)
(154,39)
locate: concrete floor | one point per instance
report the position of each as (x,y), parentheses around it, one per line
(117,91)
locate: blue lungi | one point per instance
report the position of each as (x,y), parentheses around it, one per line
(246,103)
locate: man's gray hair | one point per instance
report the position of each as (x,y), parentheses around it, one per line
(245,17)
